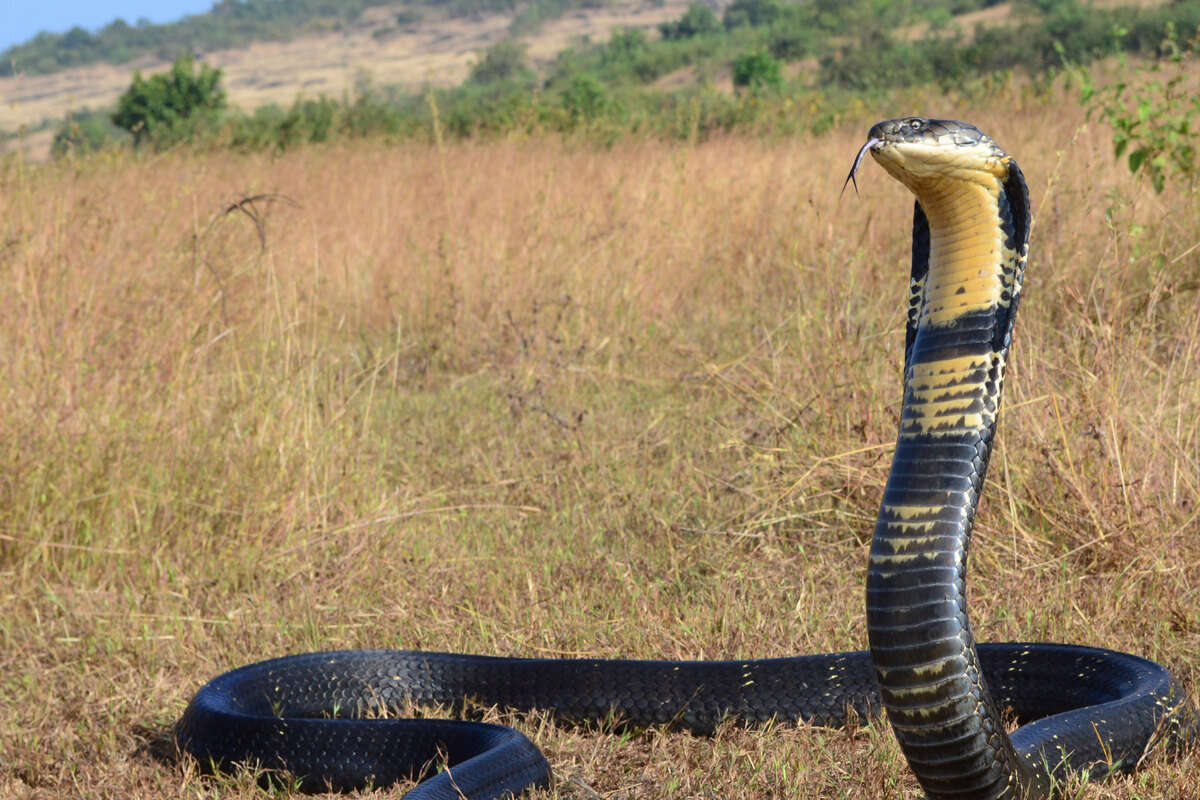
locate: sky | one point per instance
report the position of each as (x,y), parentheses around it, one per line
(21,20)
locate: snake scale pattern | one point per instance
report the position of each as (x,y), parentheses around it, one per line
(322,717)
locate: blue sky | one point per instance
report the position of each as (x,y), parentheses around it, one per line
(22,19)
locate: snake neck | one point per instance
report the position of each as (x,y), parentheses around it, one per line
(960,323)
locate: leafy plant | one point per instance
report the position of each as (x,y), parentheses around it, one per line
(698,20)
(85,132)
(790,39)
(168,107)
(756,71)
(1155,122)
(752,12)
(625,45)
(585,99)
(503,61)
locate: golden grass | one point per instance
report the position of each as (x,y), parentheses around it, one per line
(530,397)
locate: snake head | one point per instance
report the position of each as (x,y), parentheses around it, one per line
(918,151)
(919,130)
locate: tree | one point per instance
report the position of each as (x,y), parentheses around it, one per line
(168,107)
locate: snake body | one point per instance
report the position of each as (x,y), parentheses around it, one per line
(325,717)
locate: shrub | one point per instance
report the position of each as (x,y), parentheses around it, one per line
(791,40)
(170,106)
(585,99)
(752,12)
(625,45)
(756,71)
(1156,122)
(503,61)
(698,20)
(85,132)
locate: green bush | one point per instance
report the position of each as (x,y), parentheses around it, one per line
(752,12)
(789,39)
(501,107)
(698,20)
(171,106)
(585,99)
(85,132)
(1156,122)
(756,71)
(258,131)
(624,46)
(503,61)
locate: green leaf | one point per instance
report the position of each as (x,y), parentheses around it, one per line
(1137,157)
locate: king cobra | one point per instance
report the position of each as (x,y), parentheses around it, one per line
(328,718)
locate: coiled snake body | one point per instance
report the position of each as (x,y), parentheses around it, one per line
(1078,707)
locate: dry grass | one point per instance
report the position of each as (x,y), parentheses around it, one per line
(528,397)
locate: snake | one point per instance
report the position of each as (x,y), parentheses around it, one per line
(332,720)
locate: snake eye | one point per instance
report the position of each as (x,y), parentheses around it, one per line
(916,124)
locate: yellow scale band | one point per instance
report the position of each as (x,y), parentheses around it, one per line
(965,272)
(970,270)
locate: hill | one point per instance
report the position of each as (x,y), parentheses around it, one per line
(227,24)
(636,65)
(436,51)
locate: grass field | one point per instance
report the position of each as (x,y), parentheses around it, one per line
(531,397)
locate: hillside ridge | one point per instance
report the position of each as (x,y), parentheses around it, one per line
(431,52)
